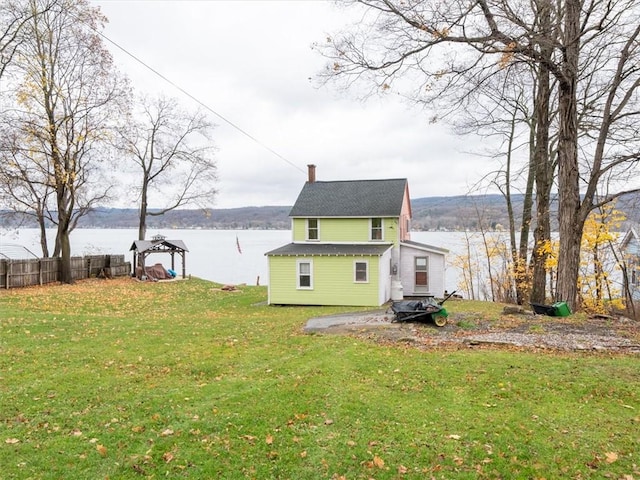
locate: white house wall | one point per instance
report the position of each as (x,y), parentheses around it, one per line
(631,251)
(384,282)
(436,271)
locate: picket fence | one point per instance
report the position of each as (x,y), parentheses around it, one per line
(39,271)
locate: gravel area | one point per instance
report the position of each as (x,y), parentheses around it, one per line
(512,331)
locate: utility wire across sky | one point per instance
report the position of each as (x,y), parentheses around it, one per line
(199,102)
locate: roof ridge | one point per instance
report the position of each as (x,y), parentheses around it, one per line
(359,180)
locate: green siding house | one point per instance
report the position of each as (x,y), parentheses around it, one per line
(351,246)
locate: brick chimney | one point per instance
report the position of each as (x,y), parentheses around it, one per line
(312,173)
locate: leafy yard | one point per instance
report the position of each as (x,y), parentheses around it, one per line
(119,379)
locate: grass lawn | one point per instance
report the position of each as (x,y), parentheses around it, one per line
(125,380)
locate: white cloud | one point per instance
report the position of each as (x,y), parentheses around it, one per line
(251,61)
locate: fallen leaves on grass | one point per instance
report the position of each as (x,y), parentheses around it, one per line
(102,450)
(167,457)
(610,457)
(376,462)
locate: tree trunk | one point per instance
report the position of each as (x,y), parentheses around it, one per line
(543,181)
(142,219)
(518,261)
(523,292)
(63,243)
(43,237)
(142,225)
(65,258)
(571,226)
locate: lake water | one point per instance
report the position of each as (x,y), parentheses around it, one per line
(213,254)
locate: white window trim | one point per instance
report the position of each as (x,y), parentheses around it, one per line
(426,270)
(307,230)
(381,239)
(298,262)
(355,262)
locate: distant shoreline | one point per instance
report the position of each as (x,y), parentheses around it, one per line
(429,214)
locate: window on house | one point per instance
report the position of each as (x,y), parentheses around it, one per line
(376,229)
(313,231)
(361,272)
(422,271)
(305,274)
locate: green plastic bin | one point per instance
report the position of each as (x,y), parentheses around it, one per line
(561,309)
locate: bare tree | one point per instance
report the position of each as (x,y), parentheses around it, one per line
(13,17)
(66,94)
(25,189)
(173,156)
(502,110)
(439,44)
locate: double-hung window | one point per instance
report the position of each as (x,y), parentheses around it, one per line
(376,229)
(305,274)
(422,272)
(313,229)
(361,271)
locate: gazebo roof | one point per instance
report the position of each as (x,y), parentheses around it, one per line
(158,245)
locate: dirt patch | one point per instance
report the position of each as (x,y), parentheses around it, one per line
(463,331)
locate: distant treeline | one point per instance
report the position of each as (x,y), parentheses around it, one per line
(429,213)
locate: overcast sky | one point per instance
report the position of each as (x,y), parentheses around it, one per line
(251,62)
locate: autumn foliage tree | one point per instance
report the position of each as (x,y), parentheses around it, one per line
(599,291)
(66,93)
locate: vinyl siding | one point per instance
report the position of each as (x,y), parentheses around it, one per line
(633,248)
(436,271)
(632,256)
(333,282)
(299,229)
(346,230)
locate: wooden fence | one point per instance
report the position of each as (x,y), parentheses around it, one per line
(38,271)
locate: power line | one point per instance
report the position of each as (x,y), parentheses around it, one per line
(199,102)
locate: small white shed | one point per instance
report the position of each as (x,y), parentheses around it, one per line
(422,269)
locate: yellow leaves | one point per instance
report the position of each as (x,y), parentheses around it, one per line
(12,441)
(102,450)
(598,237)
(507,55)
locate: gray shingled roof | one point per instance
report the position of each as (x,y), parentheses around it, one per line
(351,198)
(329,249)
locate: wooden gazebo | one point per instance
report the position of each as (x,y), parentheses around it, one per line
(143,248)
